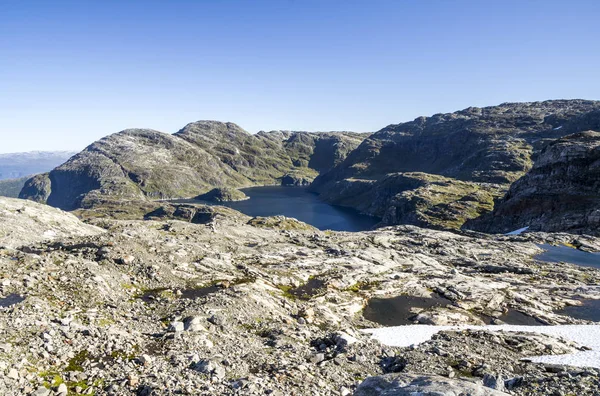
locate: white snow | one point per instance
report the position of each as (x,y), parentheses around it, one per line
(518,232)
(585,335)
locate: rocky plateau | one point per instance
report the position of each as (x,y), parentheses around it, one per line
(202,300)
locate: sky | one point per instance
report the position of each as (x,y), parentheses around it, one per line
(72,72)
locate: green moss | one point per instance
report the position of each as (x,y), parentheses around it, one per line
(286,289)
(128,286)
(105,322)
(122,355)
(75,364)
(362,285)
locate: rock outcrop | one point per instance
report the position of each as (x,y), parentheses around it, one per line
(223,195)
(143,164)
(414,384)
(416,198)
(491,145)
(294,179)
(561,193)
(24,223)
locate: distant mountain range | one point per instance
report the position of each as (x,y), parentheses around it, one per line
(17,165)
(16,168)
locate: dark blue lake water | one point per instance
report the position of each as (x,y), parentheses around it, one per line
(301,204)
(589,310)
(565,254)
(11,300)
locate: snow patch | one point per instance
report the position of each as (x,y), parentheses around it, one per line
(585,335)
(518,232)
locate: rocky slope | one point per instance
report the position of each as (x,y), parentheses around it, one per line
(146,164)
(416,198)
(477,145)
(560,193)
(18,165)
(204,300)
(12,187)
(24,223)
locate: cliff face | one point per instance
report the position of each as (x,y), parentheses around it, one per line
(486,147)
(144,164)
(560,193)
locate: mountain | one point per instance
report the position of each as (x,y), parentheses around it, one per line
(462,161)
(561,193)
(143,164)
(18,165)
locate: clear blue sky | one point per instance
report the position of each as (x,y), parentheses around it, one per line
(74,71)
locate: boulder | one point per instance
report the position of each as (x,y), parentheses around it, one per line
(424,385)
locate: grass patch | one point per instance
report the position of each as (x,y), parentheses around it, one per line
(362,285)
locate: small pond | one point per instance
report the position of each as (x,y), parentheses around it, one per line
(191,293)
(558,254)
(10,300)
(514,317)
(590,310)
(312,288)
(397,311)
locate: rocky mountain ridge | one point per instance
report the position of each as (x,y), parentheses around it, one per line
(146,164)
(561,193)
(485,149)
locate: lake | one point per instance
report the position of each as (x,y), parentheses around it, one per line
(565,254)
(299,203)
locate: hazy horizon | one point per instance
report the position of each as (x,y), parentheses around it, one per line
(73,72)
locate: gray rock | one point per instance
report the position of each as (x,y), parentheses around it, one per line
(176,326)
(62,389)
(317,358)
(194,324)
(30,223)
(146,360)
(413,384)
(211,367)
(41,391)
(13,374)
(494,382)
